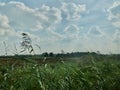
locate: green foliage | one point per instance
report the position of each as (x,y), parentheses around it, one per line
(96,75)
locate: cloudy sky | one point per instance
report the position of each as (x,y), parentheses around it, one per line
(55,25)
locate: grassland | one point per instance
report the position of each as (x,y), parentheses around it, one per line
(75,73)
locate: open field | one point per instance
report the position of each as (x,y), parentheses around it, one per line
(60,73)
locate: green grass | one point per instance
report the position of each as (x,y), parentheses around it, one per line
(95,75)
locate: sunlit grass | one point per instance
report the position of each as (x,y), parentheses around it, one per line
(95,75)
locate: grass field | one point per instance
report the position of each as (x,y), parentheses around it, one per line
(86,73)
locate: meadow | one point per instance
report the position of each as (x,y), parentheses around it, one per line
(63,73)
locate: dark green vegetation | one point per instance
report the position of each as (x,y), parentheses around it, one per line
(88,72)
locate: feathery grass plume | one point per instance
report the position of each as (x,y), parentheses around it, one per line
(26,44)
(5,46)
(15,51)
(38,47)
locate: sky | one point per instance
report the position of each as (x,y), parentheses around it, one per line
(55,25)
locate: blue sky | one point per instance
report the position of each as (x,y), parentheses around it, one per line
(55,25)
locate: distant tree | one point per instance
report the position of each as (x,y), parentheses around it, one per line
(98,52)
(51,54)
(58,55)
(45,54)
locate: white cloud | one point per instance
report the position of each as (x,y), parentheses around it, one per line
(116,24)
(5,28)
(95,31)
(53,16)
(43,25)
(73,11)
(22,17)
(71,31)
(97,40)
(116,37)
(116,40)
(114,14)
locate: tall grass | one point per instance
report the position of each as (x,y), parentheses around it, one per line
(61,76)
